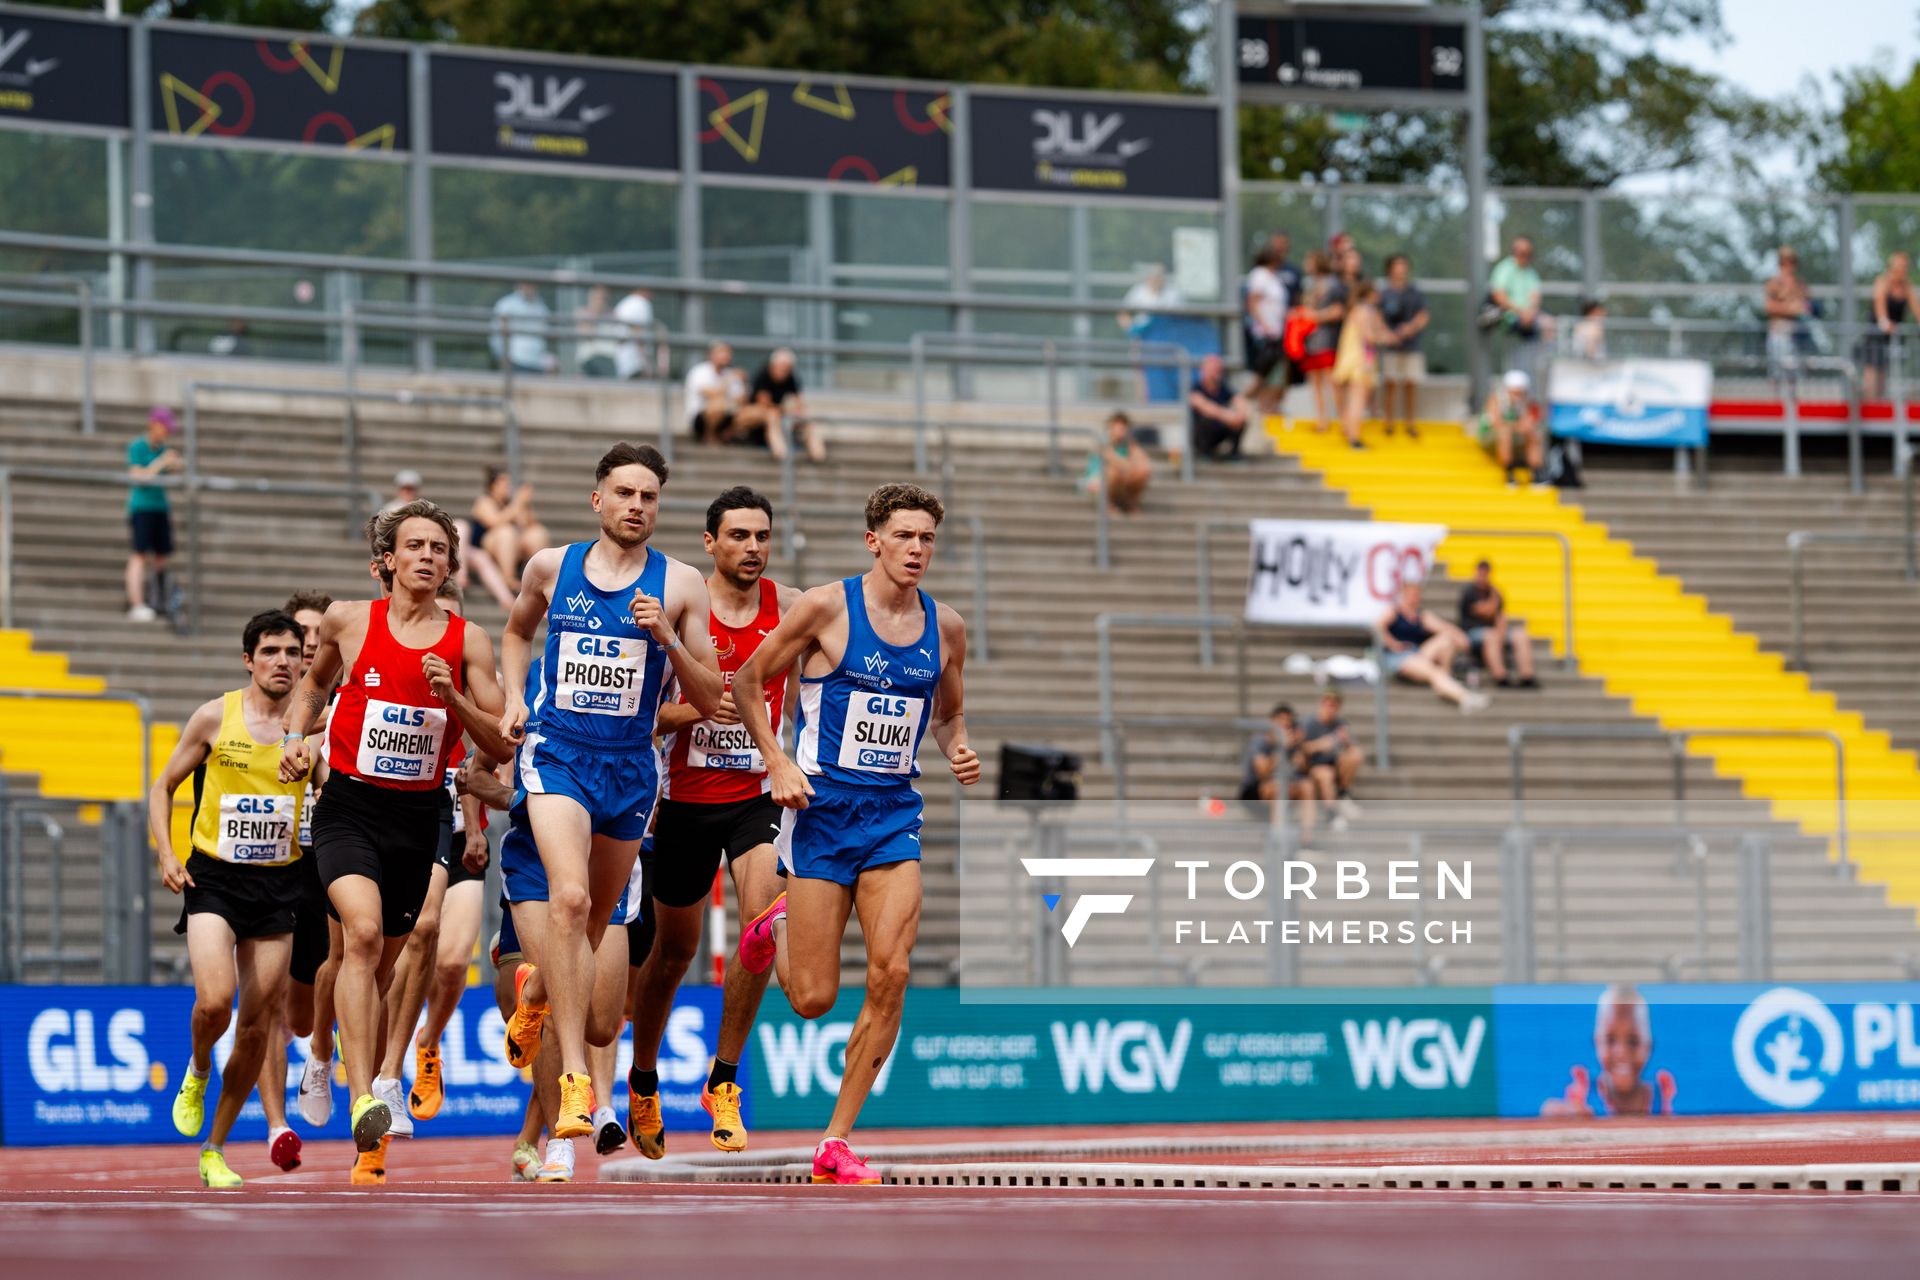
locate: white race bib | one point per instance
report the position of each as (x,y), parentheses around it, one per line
(880,731)
(306,819)
(598,675)
(453,794)
(722,746)
(400,742)
(256,829)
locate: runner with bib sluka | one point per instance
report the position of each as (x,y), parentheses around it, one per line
(880,664)
(714,804)
(618,614)
(240,882)
(376,826)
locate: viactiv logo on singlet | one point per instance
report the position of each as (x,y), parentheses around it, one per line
(257,829)
(599,675)
(400,742)
(879,732)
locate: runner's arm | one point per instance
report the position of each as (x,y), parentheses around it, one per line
(516,638)
(950,720)
(196,740)
(799,627)
(310,699)
(691,653)
(674,717)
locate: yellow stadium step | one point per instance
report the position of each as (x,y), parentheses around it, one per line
(74,748)
(1650,640)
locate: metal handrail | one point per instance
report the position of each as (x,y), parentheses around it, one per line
(1800,539)
(1104,626)
(1677,739)
(83,293)
(190,484)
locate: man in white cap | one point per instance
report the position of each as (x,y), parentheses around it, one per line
(406,488)
(1512,411)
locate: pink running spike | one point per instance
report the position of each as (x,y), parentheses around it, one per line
(834,1161)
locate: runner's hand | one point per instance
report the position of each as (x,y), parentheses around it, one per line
(651,617)
(789,786)
(296,760)
(726,713)
(966,765)
(513,721)
(173,874)
(477,853)
(439,677)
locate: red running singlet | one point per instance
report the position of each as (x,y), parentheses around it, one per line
(709,763)
(388,729)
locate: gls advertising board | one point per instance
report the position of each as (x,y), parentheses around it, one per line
(1075,1062)
(94,1065)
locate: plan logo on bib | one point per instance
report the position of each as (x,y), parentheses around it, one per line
(1786,1047)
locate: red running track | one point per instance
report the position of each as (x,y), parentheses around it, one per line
(139,1212)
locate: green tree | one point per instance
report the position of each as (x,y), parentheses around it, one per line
(1867,144)
(283,15)
(1578,96)
(1105,44)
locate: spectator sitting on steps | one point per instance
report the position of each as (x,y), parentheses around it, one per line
(1420,646)
(1218,417)
(1333,761)
(1125,465)
(1276,758)
(1512,411)
(1483,616)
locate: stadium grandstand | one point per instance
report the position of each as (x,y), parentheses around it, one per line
(1440,656)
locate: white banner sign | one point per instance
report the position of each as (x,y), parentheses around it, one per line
(1334,573)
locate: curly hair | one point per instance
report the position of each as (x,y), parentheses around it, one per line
(384,529)
(306,600)
(889,498)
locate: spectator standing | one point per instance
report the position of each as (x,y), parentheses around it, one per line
(1217,417)
(1789,306)
(635,314)
(1590,331)
(1149,295)
(150,455)
(503,524)
(1403,366)
(1515,288)
(524,315)
(1282,245)
(1483,617)
(776,409)
(1124,464)
(1892,304)
(1419,647)
(1266,318)
(1513,412)
(1356,366)
(715,395)
(1326,307)
(597,348)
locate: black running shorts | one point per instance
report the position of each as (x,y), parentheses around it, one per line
(309,923)
(451,850)
(256,902)
(640,928)
(688,839)
(388,836)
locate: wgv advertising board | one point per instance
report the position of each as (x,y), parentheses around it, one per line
(1073,1061)
(98,1065)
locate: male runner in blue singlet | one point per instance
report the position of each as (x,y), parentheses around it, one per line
(618,615)
(880,665)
